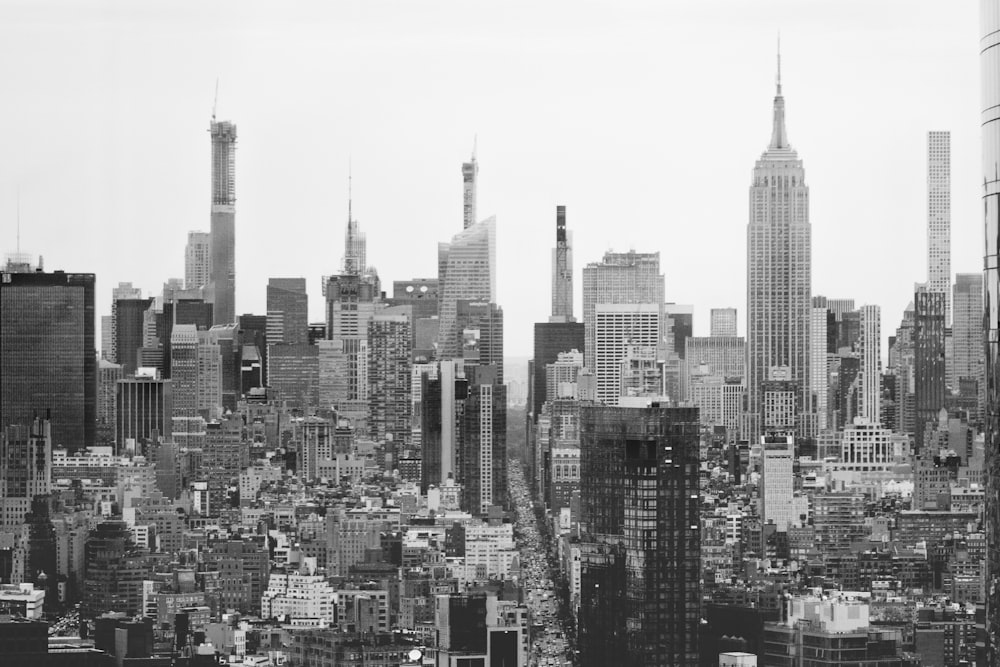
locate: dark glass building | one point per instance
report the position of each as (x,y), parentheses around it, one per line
(640,601)
(287,310)
(481,457)
(48,358)
(128,320)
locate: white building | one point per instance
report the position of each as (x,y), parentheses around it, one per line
(870,374)
(490,549)
(300,595)
(616,327)
(777,482)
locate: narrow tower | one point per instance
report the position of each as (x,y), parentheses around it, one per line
(562,271)
(779,258)
(222,285)
(355,243)
(470,173)
(939,217)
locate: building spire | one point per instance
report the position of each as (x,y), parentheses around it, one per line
(779,138)
(349,199)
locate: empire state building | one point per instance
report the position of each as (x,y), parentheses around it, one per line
(779,271)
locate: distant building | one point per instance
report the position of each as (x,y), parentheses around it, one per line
(723,322)
(287,310)
(222,284)
(939,217)
(197,260)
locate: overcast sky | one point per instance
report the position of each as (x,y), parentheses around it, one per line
(643,118)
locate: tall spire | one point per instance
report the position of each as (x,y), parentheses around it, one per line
(349,201)
(779,139)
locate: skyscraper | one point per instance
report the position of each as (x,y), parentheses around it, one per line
(389,382)
(562,271)
(355,244)
(939,217)
(467,270)
(967,328)
(48,361)
(128,316)
(470,173)
(481,457)
(870,352)
(616,328)
(779,266)
(640,599)
(287,310)
(777,481)
(197,260)
(989,66)
(222,284)
(928,359)
(819,366)
(619,278)
(25,469)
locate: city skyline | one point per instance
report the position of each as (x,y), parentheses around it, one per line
(826,129)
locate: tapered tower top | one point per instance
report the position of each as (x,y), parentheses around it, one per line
(779,139)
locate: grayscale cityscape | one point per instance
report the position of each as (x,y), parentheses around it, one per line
(254,439)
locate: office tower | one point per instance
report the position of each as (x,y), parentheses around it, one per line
(314,436)
(481,458)
(355,244)
(779,266)
(721,356)
(107,337)
(252,340)
(108,375)
(617,326)
(989,65)
(389,383)
(196,372)
(25,469)
(220,346)
(351,302)
(939,217)
(777,481)
(287,310)
(723,322)
(440,421)
(928,359)
(551,339)
(562,271)
(47,354)
(640,599)
(470,173)
(466,270)
(144,405)
(115,568)
(870,355)
(293,374)
(421,295)
(819,366)
(222,283)
(128,316)
(967,329)
(480,325)
(197,260)
(619,278)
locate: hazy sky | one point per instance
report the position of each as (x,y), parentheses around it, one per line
(643,118)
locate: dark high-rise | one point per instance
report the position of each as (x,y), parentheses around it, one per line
(640,546)
(48,359)
(128,316)
(222,283)
(928,358)
(287,310)
(481,455)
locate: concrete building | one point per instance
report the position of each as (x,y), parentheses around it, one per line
(389,383)
(870,375)
(287,310)
(616,327)
(723,322)
(562,271)
(777,481)
(967,331)
(197,260)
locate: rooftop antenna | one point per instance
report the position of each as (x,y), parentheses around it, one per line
(215,101)
(475,146)
(349,178)
(778,78)
(19,219)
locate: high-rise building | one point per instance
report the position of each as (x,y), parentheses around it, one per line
(197,260)
(48,355)
(939,217)
(551,339)
(466,270)
(723,322)
(928,360)
(819,380)
(389,382)
(989,65)
(678,326)
(779,266)
(287,310)
(870,355)
(470,174)
(108,375)
(619,278)
(196,372)
(481,458)
(443,403)
(777,481)
(722,356)
(640,599)
(616,328)
(967,329)
(143,405)
(128,316)
(293,374)
(115,568)
(562,271)
(222,284)
(355,245)
(25,469)
(480,325)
